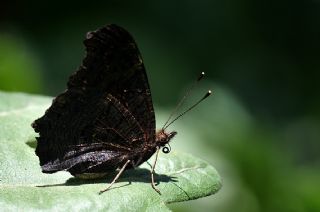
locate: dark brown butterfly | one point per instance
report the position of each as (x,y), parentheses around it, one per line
(105,120)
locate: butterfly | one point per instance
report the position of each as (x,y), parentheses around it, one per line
(104,121)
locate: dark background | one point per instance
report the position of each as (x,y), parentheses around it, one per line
(261,129)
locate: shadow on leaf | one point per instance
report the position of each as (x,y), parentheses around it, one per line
(133,175)
(32,143)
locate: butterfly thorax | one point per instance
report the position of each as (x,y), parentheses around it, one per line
(162,138)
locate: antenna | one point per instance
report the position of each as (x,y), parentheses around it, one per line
(183,99)
(190,108)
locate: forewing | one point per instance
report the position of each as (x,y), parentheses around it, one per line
(112,69)
(115,58)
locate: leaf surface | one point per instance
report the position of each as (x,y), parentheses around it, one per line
(23,186)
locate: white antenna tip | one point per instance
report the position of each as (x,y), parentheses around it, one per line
(207,94)
(201,76)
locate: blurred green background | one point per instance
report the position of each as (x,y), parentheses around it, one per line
(261,129)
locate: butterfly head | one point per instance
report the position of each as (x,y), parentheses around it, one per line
(163,138)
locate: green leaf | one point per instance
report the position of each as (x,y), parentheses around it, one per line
(23,186)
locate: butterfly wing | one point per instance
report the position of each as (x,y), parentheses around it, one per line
(107,101)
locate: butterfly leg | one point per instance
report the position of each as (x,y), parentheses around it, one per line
(152,172)
(117,176)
